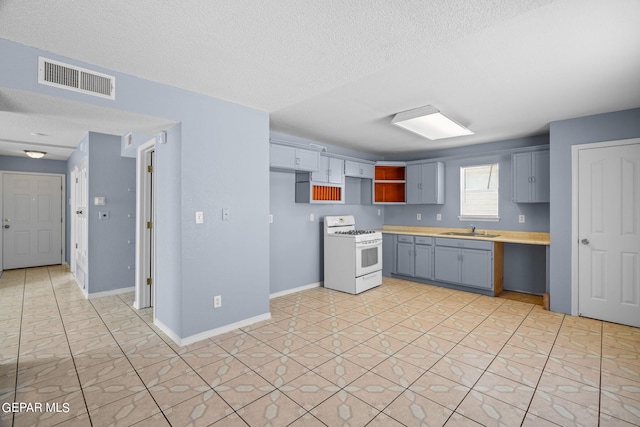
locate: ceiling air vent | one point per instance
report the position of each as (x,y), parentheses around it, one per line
(70,77)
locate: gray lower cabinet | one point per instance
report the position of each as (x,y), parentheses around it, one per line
(414,256)
(464,262)
(405,256)
(424,261)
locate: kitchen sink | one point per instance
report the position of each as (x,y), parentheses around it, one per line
(468,234)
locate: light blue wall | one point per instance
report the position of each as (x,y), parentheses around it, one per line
(565,134)
(24,164)
(296,244)
(111,257)
(217,157)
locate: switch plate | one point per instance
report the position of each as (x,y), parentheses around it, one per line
(312,217)
(217,301)
(521,218)
(103,215)
(226,215)
(98,201)
(438,217)
(199,217)
(419,217)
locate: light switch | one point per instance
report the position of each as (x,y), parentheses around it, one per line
(98,201)
(199,217)
(419,217)
(226,215)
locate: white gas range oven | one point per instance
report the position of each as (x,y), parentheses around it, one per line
(352,258)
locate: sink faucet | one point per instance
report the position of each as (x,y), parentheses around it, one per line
(473,228)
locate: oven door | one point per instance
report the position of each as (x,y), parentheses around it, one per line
(368,257)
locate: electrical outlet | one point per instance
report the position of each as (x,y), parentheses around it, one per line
(217,301)
(521,218)
(312,217)
(270,219)
(379,212)
(438,217)
(419,217)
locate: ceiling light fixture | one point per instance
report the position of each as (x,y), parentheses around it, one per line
(35,154)
(430,123)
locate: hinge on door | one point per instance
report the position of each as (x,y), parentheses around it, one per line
(76,180)
(149,224)
(149,281)
(76,246)
(150,169)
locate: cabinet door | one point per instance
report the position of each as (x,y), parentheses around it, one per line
(424,261)
(322,174)
(405,259)
(476,268)
(367,170)
(307,160)
(281,156)
(432,183)
(541,178)
(521,166)
(414,184)
(336,167)
(447,264)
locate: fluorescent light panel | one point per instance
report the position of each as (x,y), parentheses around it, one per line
(430,123)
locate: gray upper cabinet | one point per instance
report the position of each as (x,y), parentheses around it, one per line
(425,183)
(330,170)
(530,177)
(292,158)
(358,170)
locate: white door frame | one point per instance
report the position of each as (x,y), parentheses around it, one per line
(63,225)
(575,240)
(143,205)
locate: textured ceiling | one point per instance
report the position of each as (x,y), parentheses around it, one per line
(336,71)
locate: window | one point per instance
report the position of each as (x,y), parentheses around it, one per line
(479,192)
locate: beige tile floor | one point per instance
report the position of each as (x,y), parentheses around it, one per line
(400,354)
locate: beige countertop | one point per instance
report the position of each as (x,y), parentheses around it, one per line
(505,236)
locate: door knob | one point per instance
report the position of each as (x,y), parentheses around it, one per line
(585,241)
(7,226)
(78,212)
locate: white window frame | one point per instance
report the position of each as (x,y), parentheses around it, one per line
(473,217)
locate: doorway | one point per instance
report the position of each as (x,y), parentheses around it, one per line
(145,226)
(606,231)
(32,219)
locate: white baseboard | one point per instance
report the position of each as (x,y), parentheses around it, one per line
(111,292)
(211,332)
(294,290)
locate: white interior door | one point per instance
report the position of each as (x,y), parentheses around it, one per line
(145,226)
(609,233)
(80,239)
(32,220)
